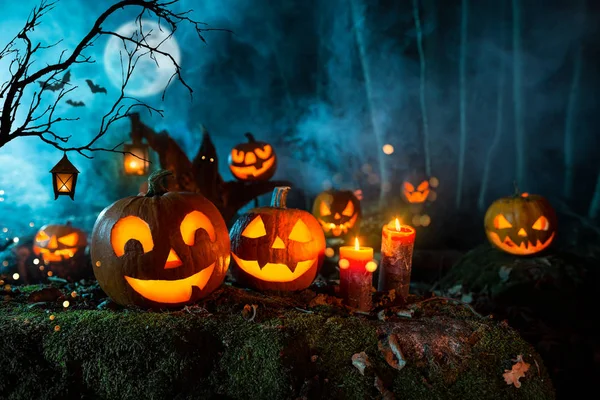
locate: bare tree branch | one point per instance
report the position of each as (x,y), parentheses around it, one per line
(41,120)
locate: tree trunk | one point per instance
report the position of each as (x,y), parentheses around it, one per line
(570,126)
(464,20)
(499,122)
(518,96)
(422,91)
(358,27)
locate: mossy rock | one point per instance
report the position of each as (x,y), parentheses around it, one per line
(294,347)
(550,299)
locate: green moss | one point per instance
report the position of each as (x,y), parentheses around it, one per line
(283,354)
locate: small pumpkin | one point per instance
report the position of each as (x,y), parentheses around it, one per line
(277,248)
(253,161)
(161,249)
(522,224)
(338,212)
(57,243)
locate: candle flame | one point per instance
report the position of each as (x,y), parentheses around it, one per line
(356,244)
(398,226)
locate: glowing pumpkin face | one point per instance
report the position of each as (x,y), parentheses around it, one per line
(416,194)
(521,225)
(253,161)
(277,248)
(338,212)
(58,243)
(164,249)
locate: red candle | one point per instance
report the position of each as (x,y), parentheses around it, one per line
(397,243)
(356,275)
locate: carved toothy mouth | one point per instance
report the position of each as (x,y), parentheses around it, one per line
(56,255)
(274,272)
(171,292)
(526,247)
(246,172)
(416,196)
(338,229)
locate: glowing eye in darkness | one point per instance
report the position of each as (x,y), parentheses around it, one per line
(349,210)
(500,222)
(41,237)
(300,232)
(409,187)
(70,239)
(128,228)
(265,152)
(191,223)
(255,229)
(541,224)
(324,209)
(423,186)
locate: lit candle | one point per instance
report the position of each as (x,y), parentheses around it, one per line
(397,244)
(356,275)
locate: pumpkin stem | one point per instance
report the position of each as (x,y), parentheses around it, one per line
(250,137)
(280,196)
(517,191)
(157,183)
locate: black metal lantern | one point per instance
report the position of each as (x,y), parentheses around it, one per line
(64,178)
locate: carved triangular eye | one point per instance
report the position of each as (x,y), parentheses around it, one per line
(349,210)
(409,187)
(70,239)
(423,186)
(324,209)
(500,222)
(300,232)
(542,224)
(191,223)
(255,229)
(41,236)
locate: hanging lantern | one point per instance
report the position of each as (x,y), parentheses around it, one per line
(135,158)
(64,178)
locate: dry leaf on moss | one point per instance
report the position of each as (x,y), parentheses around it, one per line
(518,371)
(249,312)
(361,361)
(390,348)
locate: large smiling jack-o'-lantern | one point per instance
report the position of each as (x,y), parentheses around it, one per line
(277,248)
(253,161)
(338,212)
(522,224)
(163,249)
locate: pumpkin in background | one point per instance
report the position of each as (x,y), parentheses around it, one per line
(338,212)
(161,249)
(522,224)
(58,243)
(253,161)
(277,248)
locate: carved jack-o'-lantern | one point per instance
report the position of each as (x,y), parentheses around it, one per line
(253,161)
(522,224)
(163,249)
(338,212)
(58,243)
(277,248)
(415,194)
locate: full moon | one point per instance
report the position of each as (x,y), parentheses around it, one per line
(149,76)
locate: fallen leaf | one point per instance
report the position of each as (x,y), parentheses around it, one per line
(361,361)
(518,371)
(325,300)
(504,273)
(249,312)
(391,351)
(44,295)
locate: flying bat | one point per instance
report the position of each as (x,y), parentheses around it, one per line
(95,88)
(58,85)
(75,103)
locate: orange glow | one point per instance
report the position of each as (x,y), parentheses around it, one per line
(245,172)
(265,152)
(70,239)
(344,264)
(128,228)
(64,182)
(278,243)
(356,244)
(525,248)
(255,229)
(500,222)
(371,266)
(416,196)
(336,229)
(522,232)
(300,233)
(52,244)
(349,210)
(541,224)
(324,209)
(194,221)
(237,156)
(173,260)
(525,194)
(398,226)
(274,272)
(388,149)
(170,292)
(41,236)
